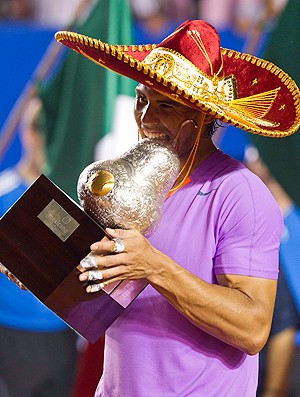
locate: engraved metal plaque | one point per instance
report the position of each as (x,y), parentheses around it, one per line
(58,220)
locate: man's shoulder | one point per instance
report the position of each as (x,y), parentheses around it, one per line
(226,172)
(235,183)
(234,172)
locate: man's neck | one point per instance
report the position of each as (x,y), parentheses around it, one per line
(205,149)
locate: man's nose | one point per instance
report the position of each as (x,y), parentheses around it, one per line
(149,115)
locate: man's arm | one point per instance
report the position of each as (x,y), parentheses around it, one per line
(237,311)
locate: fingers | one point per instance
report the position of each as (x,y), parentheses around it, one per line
(95,280)
(104,247)
(111,271)
(92,275)
(116,244)
(95,287)
(89,262)
(90,270)
(93,260)
(14,280)
(21,285)
(108,260)
(119,246)
(3,269)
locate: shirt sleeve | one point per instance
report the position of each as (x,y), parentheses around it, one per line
(249,228)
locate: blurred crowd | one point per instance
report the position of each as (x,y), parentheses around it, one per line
(242,14)
(54,12)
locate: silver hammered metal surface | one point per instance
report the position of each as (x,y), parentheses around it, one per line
(143,177)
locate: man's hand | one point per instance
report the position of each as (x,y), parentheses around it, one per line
(11,277)
(128,255)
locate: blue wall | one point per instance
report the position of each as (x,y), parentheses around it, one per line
(22,47)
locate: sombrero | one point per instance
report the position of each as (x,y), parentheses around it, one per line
(190,67)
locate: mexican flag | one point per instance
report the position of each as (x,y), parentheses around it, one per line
(82,99)
(282,156)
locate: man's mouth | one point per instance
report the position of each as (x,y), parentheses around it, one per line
(155,135)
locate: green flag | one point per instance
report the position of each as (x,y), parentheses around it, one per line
(79,101)
(283,48)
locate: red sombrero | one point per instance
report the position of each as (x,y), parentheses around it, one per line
(190,67)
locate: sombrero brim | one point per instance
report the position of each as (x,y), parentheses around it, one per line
(268,100)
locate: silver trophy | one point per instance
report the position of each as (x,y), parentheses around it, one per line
(128,192)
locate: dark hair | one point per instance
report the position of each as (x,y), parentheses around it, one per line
(212,127)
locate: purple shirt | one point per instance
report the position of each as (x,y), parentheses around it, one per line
(224,221)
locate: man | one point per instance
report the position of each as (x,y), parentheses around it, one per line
(37,349)
(223,316)
(212,264)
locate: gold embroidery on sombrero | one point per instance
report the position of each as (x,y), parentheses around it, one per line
(282,107)
(249,119)
(257,105)
(185,76)
(195,35)
(254,81)
(181,73)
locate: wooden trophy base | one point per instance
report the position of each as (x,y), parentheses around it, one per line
(43,237)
